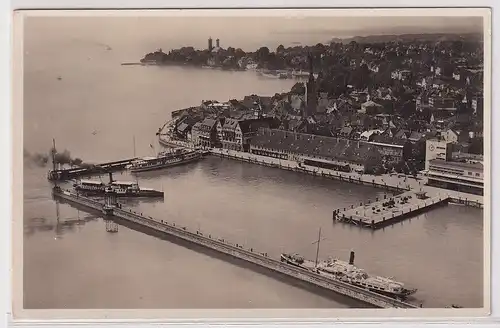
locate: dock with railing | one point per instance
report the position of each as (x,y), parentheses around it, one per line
(389,210)
(261,259)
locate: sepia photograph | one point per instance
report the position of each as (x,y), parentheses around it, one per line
(252,159)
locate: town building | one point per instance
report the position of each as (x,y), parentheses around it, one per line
(454,136)
(477,106)
(371,108)
(401,74)
(236,134)
(463,176)
(437,149)
(204,133)
(393,150)
(184,125)
(318,151)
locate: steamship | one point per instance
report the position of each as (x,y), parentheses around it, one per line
(336,269)
(165,159)
(121,188)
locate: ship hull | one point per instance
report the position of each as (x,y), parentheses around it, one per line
(160,166)
(142,193)
(139,193)
(401,296)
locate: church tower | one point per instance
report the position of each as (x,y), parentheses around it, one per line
(311,92)
(210,44)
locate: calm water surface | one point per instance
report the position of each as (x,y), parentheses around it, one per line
(70,261)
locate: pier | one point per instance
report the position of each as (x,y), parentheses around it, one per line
(389,210)
(110,209)
(104,168)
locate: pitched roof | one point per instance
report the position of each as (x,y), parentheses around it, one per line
(383,139)
(415,136)
(182,127)
(371,103)
(253,125)
(313,145)
(402,134)
(346,130)
(209,122)
(230,123)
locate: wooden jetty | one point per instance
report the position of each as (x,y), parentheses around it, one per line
(389,210)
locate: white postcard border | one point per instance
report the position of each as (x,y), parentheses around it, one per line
(298,315)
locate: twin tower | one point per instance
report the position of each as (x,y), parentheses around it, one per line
(210,44)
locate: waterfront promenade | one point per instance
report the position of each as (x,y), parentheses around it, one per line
(395,182)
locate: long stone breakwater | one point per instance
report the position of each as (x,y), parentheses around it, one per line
(237,251)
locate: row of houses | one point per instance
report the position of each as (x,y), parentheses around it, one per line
(227,133)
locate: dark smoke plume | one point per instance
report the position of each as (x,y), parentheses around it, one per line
(42,160)
(37,159)
(65,158)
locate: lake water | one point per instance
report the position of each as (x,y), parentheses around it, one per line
(96,109)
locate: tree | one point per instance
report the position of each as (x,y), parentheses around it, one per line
(280,49)
(408,109)
(457,46)
(262,53)
(407,151)
(239,53)
(477,146)
(360,78)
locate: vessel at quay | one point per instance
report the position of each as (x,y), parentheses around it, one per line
(120,188)
(346,272)
(165,159)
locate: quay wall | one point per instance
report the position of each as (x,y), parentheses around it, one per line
(395,183)
(243,254)
(293,166)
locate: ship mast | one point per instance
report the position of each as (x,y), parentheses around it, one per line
(53,154)
(317,247)
(134,145)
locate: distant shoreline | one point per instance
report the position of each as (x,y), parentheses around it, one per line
(182,65)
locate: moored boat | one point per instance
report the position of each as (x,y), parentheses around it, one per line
(121,188)
(169,158)
(348,273)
